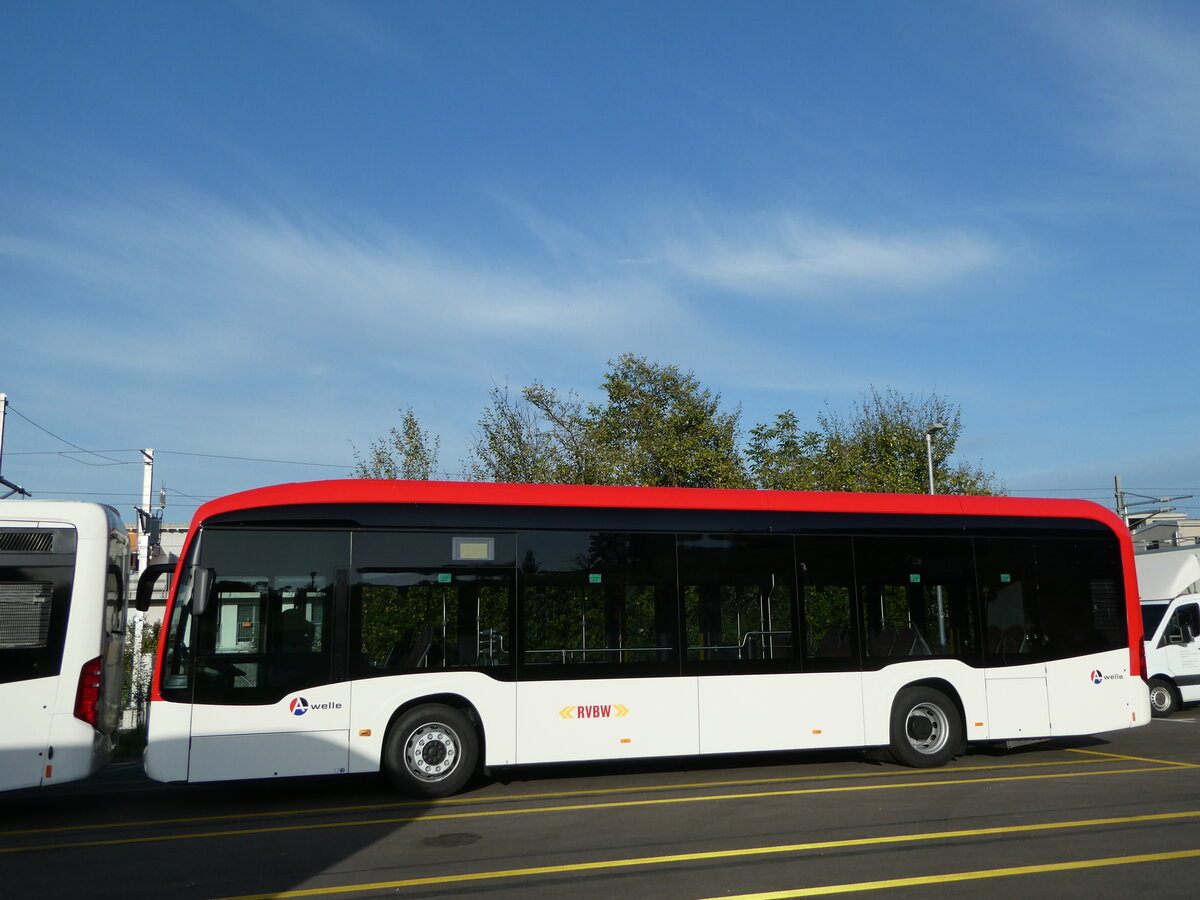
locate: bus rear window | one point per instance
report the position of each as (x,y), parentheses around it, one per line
(25,614)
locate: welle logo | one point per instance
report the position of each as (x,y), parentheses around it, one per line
(1099,677)
(300,706)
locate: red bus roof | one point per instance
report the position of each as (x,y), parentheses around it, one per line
(481,493)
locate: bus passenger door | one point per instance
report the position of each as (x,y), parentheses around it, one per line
(268,687)
(1013,647)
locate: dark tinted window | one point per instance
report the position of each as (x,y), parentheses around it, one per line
(1152,614)
(1008,586)
(268,629)
(1082,602)
(597,604)
(825,568)
(916,598)
(426,602)
(738,595)
(37,568)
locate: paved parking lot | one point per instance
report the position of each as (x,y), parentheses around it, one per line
(1091,817)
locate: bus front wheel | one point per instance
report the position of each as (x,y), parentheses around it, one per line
(1163,699)
(431,751)
(926,729)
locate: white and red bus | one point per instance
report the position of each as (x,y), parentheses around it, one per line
(428,629)
(62,623)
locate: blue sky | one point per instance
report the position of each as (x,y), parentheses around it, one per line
(243,231)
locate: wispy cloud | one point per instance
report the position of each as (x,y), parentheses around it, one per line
(1139,66)
(784,256)
(288,308)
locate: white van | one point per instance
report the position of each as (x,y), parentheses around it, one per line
(1169,582)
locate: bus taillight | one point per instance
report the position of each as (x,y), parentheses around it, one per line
(87,695)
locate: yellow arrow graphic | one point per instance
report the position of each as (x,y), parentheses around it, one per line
(567,712)
(620,711)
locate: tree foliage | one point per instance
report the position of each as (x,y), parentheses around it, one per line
(656,425)
(879,446)
(408,452)
(535,437)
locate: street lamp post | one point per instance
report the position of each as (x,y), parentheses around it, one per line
(929,433)
(941,600)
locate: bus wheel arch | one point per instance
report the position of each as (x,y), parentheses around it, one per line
(926,728)
(1164,696)
(433,746)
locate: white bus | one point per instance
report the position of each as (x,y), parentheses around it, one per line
(428,629)
(62,620)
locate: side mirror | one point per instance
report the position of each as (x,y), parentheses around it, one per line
(202,582)
(147,582)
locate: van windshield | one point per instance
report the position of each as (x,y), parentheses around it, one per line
(1152,614)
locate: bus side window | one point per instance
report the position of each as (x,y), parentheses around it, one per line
(1080,597)
(1007,577)
(917,598)
(828,635)
(604,600)
(737,601)
(419,602)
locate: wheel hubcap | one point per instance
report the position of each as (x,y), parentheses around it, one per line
(431,751)
(928,728)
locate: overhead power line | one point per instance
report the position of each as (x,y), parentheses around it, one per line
(109,461)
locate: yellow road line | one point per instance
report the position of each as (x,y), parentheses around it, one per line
(1181,765)
(551,795)
(947,878)
(707,856)
(579,807)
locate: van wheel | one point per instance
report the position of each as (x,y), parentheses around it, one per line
(926,730)
(431,751)
(1163,699)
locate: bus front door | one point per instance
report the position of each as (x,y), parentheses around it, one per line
(266,696)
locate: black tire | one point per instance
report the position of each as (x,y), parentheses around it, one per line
(431,751)
(926,728)
(1163,698)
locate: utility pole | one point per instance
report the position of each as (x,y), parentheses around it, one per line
(12,488)
(1134,520)
(148,531)
(144,526)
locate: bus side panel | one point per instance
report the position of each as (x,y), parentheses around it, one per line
(616,718)
(79,750)
(168,736)
(1094,693)
(27,713)
(375,700)
(304,733)
(1018,702)
(740,713)
(879,691)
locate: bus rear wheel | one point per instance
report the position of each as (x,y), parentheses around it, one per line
(926,729)
(431,751)
(1163,699)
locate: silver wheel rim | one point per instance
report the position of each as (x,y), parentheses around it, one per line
(1160,699)
(927,728)
(431,751)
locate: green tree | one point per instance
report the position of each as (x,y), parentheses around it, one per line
(657,426)
(536,437)
(408,452)
(661,427)
(879,446)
